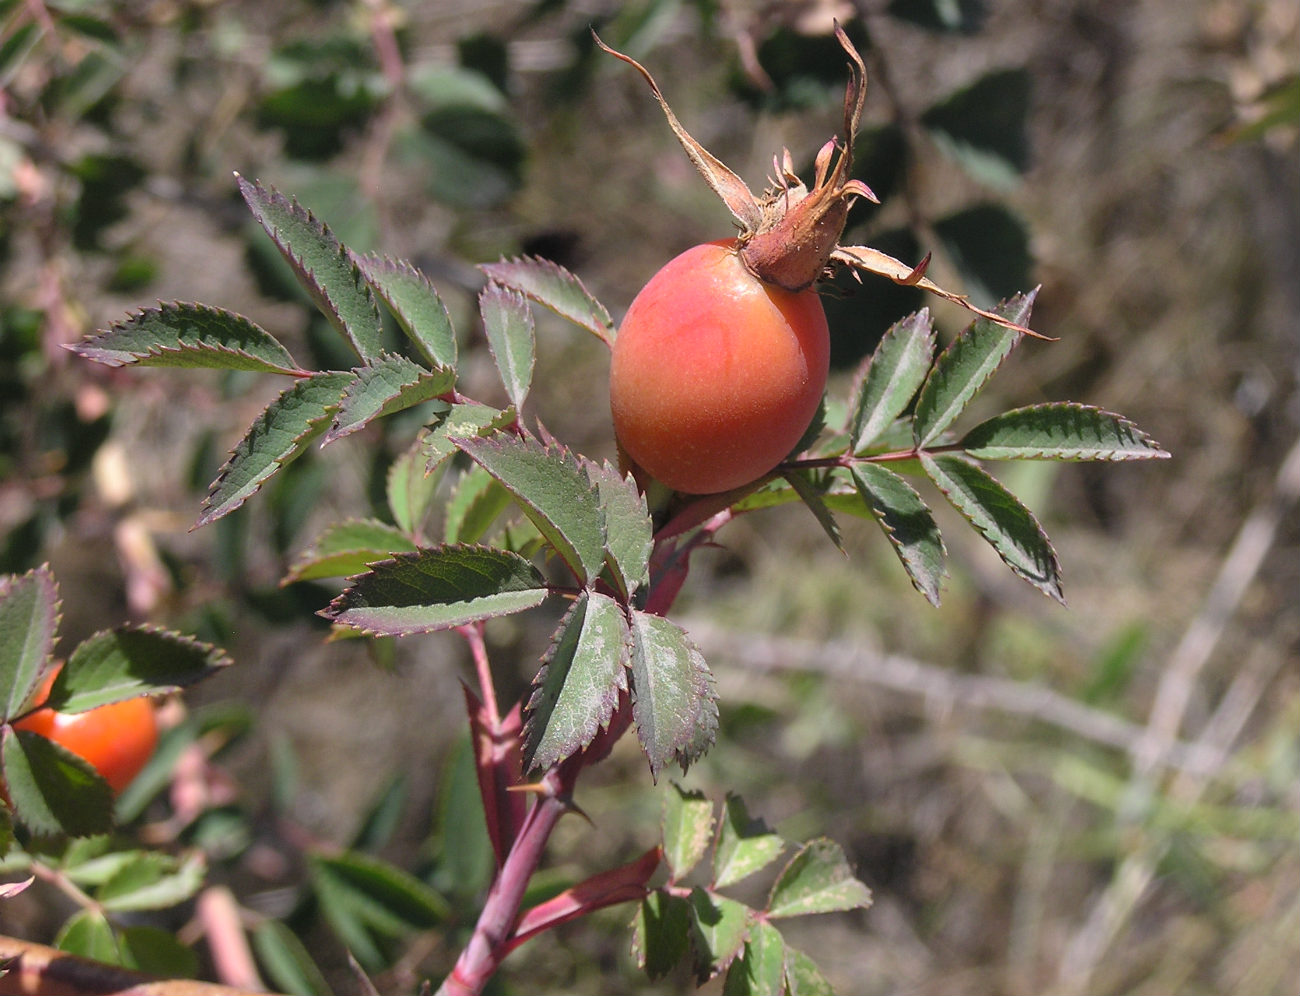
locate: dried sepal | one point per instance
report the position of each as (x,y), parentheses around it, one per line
(787,237)
(870,260)
(720,178)
(801,227)
(790,237)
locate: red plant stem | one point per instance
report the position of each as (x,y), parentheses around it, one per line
(473,634)
(848,460)
(490,942)
(494,933)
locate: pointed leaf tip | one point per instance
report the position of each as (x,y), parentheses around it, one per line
(414,302)
(1060,431)
(817,879)
(629,533)
(554,287)
(674,704)
(391,383)
(29,622)
(745,845)
(131,661)
(892,376)
(188,335)
(277,437)
(577,689)
(508,323)
(436,589)
(907,523)
(997,515)
(686,822)
(323,266)
(965,366)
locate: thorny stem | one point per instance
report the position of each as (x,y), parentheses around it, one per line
(490,941)
(493,933)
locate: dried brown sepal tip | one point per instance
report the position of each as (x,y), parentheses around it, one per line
(790,237)
(800,227)
(787,236)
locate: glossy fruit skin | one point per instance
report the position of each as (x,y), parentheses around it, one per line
(117,739)
(716,375)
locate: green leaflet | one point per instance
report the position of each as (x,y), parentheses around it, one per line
(1000,518)
(553,490)
(629,533)
(745,845)
(323,266)
(29,619)
(720,926)
(411,484)
(391,383)
(674,705)
(152,880)
(279,435)
(964,367)
(436,589)
(554,287)
(660,933)
(467,419)
(760,969)
(88,934)
(409,295)
(188,335)
(129,662)
(157,952)
(687,827)
(347,548)
(509,327)
(817,879)
(803,977)
(908,524)
(54,790)
(892,377)
(475,503)
(1060,431)
(577,689)
(810,494)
